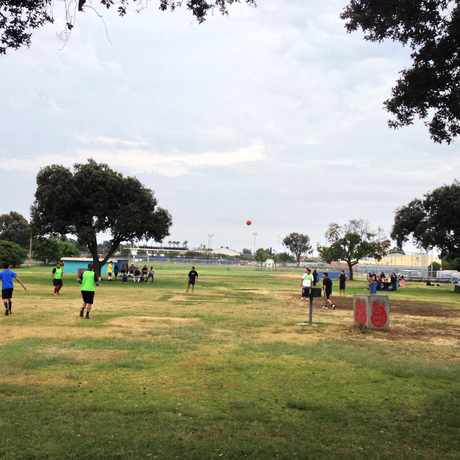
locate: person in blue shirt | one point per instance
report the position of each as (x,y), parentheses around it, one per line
(373,284)
(8,276)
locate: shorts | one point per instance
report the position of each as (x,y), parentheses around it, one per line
(306,291)
(7,293)
(88,297)
(342,287)
(57,283)
(191,282)
(109,275)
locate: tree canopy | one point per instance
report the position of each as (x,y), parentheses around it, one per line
(430,88)
(93,199)
(14,227)
(432,221)
(11,253)
(298,244)
(19,18)
(352,242)
(49,250)
(262,255)
(284,258)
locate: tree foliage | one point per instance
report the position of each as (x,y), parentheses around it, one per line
(451,263)
(48,250)
(430,88)
(14,227)
(284,258)
(93,199)
(432,222)
(11,253)
(351,243)
(298,244)
(262,255)
(19,18)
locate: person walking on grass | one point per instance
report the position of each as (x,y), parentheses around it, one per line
(307,283)
(342,282)
(58,278)
(89,281)
(315,277)
(8,276)
(192,277)
(327,288)
(151,275)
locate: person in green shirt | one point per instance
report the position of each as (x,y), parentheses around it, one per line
(58,278)
(307,283)
(88,280)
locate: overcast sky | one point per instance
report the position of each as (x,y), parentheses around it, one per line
(273,114)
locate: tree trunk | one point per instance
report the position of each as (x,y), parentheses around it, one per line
(350,269)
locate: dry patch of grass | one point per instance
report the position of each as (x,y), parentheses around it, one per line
(406,327)
(149,322)
(85,356)
(54,379)
(10,334)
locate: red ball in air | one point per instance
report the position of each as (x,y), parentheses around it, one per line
(248,222)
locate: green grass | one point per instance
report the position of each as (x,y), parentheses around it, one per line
(225,373)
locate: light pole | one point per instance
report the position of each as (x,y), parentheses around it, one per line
(255,235)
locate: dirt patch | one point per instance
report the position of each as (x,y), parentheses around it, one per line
(117,328)
(69,333)
(411,323)
(149,322)
(402,307)
(51,379)
(297,335)
(290,276)
(448,335)
(85,356)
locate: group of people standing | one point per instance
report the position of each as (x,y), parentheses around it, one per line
(134,273)
(382,282)
(310,280)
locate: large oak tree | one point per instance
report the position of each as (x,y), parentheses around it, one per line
(430,88)
(352,242)
(93,199)
(298,244)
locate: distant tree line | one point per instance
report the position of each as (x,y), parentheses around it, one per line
(94,200)
(16,241)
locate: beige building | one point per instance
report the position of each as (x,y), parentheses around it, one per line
(404,260)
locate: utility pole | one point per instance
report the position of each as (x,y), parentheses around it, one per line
(30,250)
(255,235)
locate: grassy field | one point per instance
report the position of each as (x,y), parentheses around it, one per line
(226,373)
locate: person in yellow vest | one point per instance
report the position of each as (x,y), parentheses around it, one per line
(89,281)
(109,271)
(58,278)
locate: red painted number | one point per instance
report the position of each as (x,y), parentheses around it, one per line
(379,317)
(361,312)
